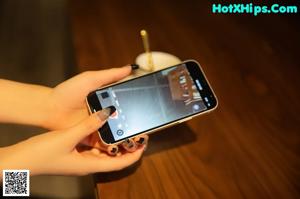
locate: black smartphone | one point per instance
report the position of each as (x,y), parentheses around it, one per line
(154,101)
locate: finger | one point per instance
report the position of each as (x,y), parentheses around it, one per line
(91,140)
(95,151)
(109,163)
(112,150)
(94,141)
(111,75)
(89,125)
(141,140)
(89,81)
(95,79)
(129,145)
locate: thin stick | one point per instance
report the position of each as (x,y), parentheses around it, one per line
(146,44)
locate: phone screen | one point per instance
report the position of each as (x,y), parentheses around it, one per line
(153,100)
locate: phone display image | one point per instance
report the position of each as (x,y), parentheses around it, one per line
(152,101)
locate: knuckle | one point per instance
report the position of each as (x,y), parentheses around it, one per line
(91,123)
(82,173)
(87,73)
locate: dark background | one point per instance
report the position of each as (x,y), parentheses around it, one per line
(249,146)
(36,47)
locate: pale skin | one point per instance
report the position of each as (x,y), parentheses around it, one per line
(63,111)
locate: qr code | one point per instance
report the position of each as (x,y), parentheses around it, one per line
(15,182)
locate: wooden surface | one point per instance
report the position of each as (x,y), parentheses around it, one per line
(249,146)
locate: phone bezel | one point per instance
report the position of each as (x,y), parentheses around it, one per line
(105,133)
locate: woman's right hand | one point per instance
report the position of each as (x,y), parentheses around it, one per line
(57,152)
(129,145)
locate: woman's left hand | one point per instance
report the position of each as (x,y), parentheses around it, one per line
(67,100)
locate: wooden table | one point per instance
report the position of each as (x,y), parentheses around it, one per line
(249,146)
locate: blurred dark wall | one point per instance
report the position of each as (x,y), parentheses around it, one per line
(36,47)
(35,41)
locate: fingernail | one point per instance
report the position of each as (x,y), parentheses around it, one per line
(134,66)
(141,140)
(105,113)
(114,150)
(128,143)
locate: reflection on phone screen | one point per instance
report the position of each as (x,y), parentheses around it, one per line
(151,101)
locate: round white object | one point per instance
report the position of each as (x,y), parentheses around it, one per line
(161,60)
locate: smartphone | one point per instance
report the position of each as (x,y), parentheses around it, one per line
(154,101)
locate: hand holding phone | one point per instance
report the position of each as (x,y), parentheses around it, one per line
(65,105)
(157,100)
(58,152)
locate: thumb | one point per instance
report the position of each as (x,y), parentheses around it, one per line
(108,76)
(95,79)
(90,125)
(89,81)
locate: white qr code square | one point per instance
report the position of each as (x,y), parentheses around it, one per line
(15,182)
